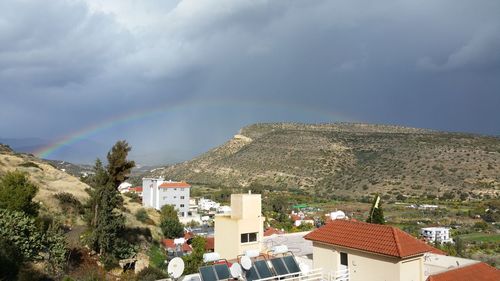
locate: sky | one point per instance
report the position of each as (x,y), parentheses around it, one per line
(176,78)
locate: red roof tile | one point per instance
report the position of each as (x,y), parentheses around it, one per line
(174,184)
(168,243)
(374,238)
(136,189)
(270,231)
(210,244)
(478,272)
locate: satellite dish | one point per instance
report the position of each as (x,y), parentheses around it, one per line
(246,262)
(175,267)
(252,253)
(235,270)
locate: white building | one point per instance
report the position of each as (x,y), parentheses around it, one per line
(207,204)
(158,193)
(124,186)
(439,234)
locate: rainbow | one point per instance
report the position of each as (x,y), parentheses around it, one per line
(123,119)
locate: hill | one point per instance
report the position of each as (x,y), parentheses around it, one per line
(346,159)
(49,179)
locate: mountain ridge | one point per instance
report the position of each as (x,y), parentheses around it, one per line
(351,159)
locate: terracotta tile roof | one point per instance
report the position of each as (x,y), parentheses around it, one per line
(136,189)
(478,272)
(374,238)
(210,244)
(174,184)
(270,231)
(169,244)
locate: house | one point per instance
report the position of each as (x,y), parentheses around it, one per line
(158,192)
(273,231)
(337,215)
(137,190)
(478,271)
(436,234)
(124,186)
(242,228)
(365,251)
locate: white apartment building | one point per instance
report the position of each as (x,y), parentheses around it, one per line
(158,193)
(439,234)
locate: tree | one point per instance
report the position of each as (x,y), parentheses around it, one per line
(17,193)
(376,213)
(168,212)
(172,228)
(193,261)
(102,215)
(118,166)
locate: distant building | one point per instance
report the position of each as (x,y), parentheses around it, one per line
(207,204)
(337,215)
(242,229)
(436,234)
(137,190)
(124,186)
(158,193)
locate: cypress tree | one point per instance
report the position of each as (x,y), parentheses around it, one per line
(103,216)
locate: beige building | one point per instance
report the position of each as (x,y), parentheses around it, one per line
(362,251)
(242,228)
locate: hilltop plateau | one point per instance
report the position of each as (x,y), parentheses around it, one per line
(349,160)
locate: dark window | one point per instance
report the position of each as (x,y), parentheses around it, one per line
(343,259)
(248,237)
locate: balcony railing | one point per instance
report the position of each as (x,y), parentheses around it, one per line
(312,275)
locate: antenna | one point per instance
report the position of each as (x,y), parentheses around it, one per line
(246,262)
(235,270)
(175,267)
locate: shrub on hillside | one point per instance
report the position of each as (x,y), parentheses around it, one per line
(151,274)
(69,203)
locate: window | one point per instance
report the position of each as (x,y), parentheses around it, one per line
(248,237)
(343,259)
(182,205)
(182,197)
(182,189)
(165,197)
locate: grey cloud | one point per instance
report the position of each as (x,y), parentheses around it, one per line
(418,63)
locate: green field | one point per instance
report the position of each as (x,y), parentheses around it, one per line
(481,237)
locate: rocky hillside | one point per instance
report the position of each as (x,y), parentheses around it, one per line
(349,160)
(49,179)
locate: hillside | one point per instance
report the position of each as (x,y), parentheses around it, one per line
(348,159)
(49,179)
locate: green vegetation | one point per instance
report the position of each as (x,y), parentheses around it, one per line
(481,237)
(157,256)
(169,223)
(195,259)
(376,213)
(69,203)
(24,237)
(17,193)
(142,216)
(151,274)
(30,164)
(102,210)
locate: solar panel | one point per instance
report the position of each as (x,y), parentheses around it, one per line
(252,274)
(279,266)
(207,273)
(291,264)
(222,271)
(263,269)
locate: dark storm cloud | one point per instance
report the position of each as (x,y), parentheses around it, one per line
(65,65)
